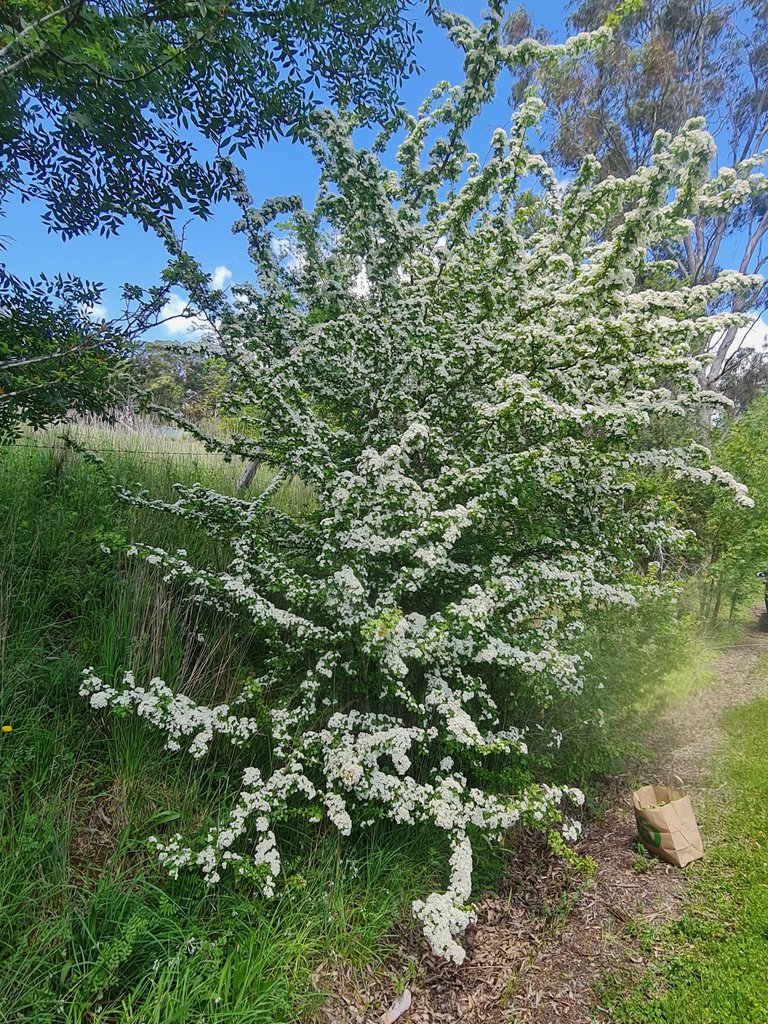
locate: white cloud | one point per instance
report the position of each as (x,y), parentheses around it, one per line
(286,248)
(754,335)
(96,311)
(361,286)
(179,320)
(220,277)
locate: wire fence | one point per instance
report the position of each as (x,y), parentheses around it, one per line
(153,452)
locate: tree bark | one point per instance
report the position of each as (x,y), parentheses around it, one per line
(246,477)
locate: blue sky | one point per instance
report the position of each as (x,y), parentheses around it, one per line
(280,168)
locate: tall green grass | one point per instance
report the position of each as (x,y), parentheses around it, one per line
(90,930)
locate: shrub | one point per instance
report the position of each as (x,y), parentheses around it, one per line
(734,541)
(462,361)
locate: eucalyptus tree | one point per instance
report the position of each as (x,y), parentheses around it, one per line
(668,61)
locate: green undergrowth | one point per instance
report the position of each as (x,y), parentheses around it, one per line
(642,660)
(711,966)
(91,931)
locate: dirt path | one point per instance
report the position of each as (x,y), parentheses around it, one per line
(559,984)
(536,953)
(695,723)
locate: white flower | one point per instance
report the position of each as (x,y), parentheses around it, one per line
(571,830)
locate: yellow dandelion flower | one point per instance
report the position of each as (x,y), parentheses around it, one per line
(6,728)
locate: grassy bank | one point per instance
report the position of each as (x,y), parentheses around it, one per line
(711,966)
(90,929)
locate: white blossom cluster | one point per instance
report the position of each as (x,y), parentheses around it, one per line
(176,715)
(474,428)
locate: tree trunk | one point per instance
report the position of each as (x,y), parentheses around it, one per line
(716,610)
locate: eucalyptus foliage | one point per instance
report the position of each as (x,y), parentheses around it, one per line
(458,357)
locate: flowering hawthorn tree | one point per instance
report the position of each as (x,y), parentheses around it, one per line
(462,360)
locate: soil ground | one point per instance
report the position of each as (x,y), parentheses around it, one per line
(537,951)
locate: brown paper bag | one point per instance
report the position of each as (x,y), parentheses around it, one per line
(670,831)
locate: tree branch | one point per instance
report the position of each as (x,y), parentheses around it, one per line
(73,8)
(13,364)
(35,25)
